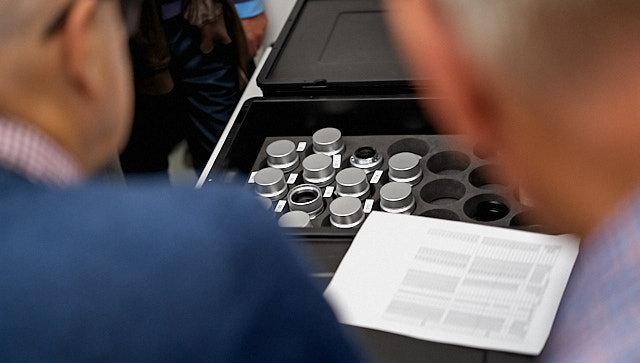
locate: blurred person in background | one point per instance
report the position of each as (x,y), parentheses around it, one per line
(96,272)
(254,22)
(553,87)
(192,59)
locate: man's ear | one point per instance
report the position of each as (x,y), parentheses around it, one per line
(462,102)
(78,59)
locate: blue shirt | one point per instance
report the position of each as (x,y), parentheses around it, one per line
(245,8)
(599,316)
(151,273)
(249,8)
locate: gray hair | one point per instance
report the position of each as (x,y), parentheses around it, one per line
(542,41)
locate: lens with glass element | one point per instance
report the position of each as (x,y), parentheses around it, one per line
(306,198)
(366,158)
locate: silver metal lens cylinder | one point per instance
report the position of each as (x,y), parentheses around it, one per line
(366,158)
(306,198)
(318,169)
(397,198)
(295,219)
(270,183)
(328,141)
(405,168)
(352,182)
(346,212)
(282,155)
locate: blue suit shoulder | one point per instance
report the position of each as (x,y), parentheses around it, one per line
(155,274)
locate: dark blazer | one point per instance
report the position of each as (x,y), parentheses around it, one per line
(150,273)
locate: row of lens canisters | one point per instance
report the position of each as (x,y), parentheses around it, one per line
(351,186)
(318,168)
(333,178)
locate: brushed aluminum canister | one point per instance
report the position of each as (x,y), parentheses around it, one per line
(282,155)
(405,168)
(352,182)
(397,198)
(346,212)
(270,183)
(318,169)
(328,141)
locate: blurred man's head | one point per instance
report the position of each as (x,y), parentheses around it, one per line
(553,86)
(65,69)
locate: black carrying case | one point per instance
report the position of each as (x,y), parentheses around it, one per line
(334,47)
(334,65)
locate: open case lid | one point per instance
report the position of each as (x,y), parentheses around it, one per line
(337,47)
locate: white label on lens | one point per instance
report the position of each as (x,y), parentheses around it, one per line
(329,192)
(280,206)
(292,178)
(252,177)
(301,146)
(376,176)
(337,160)
(368,206)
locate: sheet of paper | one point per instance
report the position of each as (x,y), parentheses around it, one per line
(453,282)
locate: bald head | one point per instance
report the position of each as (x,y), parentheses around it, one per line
(75,83)
(543,43)
(22,18)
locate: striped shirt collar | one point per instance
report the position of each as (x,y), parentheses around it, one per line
(33,154)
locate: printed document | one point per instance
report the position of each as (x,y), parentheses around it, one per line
(453,282)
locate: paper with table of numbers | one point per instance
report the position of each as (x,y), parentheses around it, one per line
(453,282)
